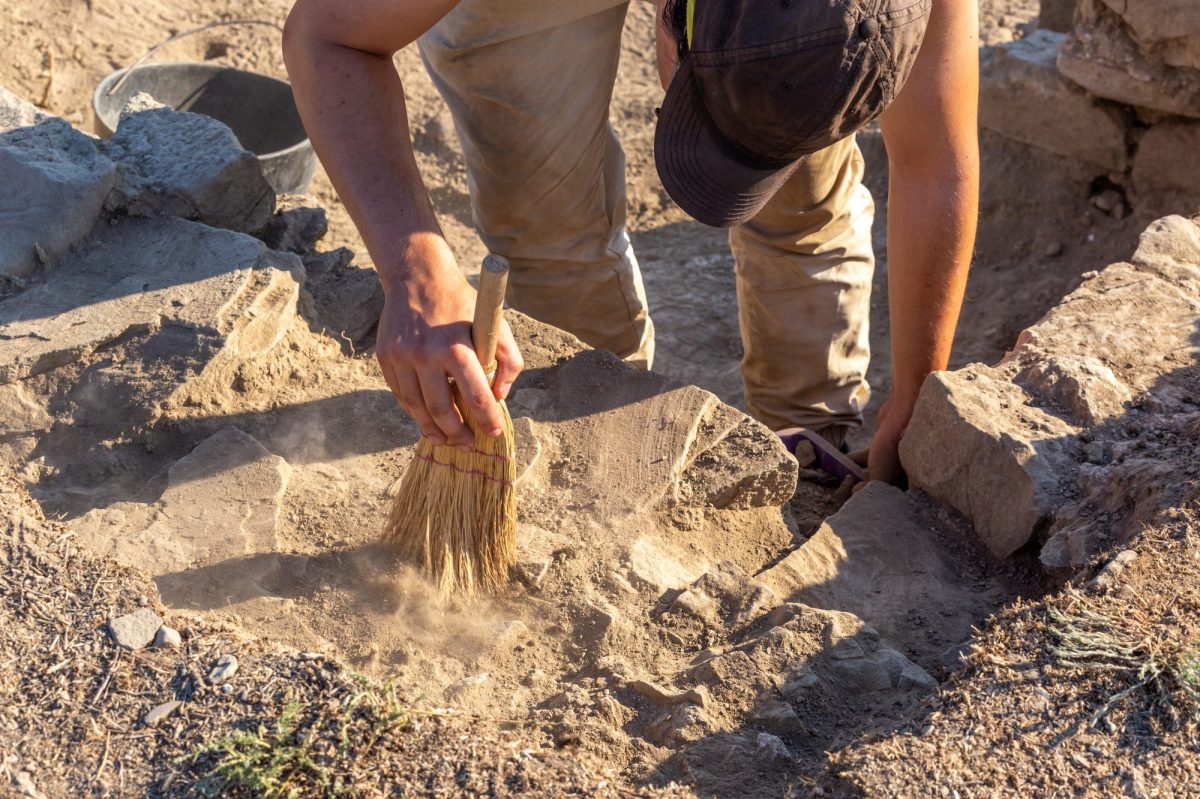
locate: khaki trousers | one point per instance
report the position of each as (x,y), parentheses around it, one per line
(529,83)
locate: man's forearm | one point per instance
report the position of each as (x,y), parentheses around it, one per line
(353,107)
(931,234)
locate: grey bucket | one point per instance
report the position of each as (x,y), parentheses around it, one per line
(259,109)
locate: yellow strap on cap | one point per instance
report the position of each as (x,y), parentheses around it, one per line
(691,13)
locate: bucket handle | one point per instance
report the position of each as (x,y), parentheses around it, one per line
(129,70)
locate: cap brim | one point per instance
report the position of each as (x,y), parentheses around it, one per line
(700,169)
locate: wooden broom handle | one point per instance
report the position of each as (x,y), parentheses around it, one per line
(489,306)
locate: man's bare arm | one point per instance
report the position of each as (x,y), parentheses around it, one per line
(339,57)
(933,200)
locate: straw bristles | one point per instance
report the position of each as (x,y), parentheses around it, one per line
(454,513)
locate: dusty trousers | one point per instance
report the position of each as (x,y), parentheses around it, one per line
(529,83)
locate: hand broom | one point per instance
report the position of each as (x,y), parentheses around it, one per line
(454,513)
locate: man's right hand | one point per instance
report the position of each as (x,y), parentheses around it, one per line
(425,338)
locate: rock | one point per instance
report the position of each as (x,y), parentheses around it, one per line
(732,667)
(1111,573)
(223,670)
(1023,97)
(771,749)
(214,531)
(135,630)
(24,420)
(777,716)
(458,691)
(651,565)
(1056,15)
(160,712)
(347,299)
(299,222)
(804,453)
(976,444)
(168,637)
(186,165)
(1141,52)
(1166,160)
(198,302)
(692,450)
(1083,386)
(696,604)
(532,572)
(55,183)
(526,446)
(664,696)
(25,784)
(879,558)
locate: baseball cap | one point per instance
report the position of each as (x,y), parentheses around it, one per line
(764,83)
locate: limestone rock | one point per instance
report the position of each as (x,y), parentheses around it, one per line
(168,638)
(1056,15)
(347,299)
(186,165)
(299,222)
(879,557)
(135,630)
(160,712)
(55,184)
(1152,63)
(201,301)
(976,444)
(1166,160)
(1083,386)
(689,450)
(213,536)
(223,670)
(1024,97)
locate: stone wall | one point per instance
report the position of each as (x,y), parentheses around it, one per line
(1118,87)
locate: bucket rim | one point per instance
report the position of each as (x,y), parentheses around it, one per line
(112,77)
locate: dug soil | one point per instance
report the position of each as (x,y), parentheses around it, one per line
(647,631)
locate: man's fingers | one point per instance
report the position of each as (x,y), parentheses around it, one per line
(509,363)
(439,403)
(477,392)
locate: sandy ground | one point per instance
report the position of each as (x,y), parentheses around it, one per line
(599,626)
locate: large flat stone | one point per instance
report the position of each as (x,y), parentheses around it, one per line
(203,300)
(884,558)
(55,182)
(187,165)
(214,531)
(1024,97)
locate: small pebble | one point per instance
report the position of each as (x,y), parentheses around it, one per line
(160,712)
(135,630)
(168,637)
(1054,249)
(225,668)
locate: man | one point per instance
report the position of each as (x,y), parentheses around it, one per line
(756,132)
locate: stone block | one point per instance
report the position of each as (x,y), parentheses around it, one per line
(1167,159)
(976,444)
(1023,97)
(186,165)
(1056,15)
(201,301)
(55,181)
(883,540)
(1111,59)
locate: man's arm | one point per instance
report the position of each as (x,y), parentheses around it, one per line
(339,57)
(933,199)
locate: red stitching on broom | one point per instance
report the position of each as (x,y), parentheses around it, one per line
(452,467)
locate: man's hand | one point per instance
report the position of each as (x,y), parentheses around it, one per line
(339,57)
(425,338)
(883,457)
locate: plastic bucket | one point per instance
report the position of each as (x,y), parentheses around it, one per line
(259,109)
